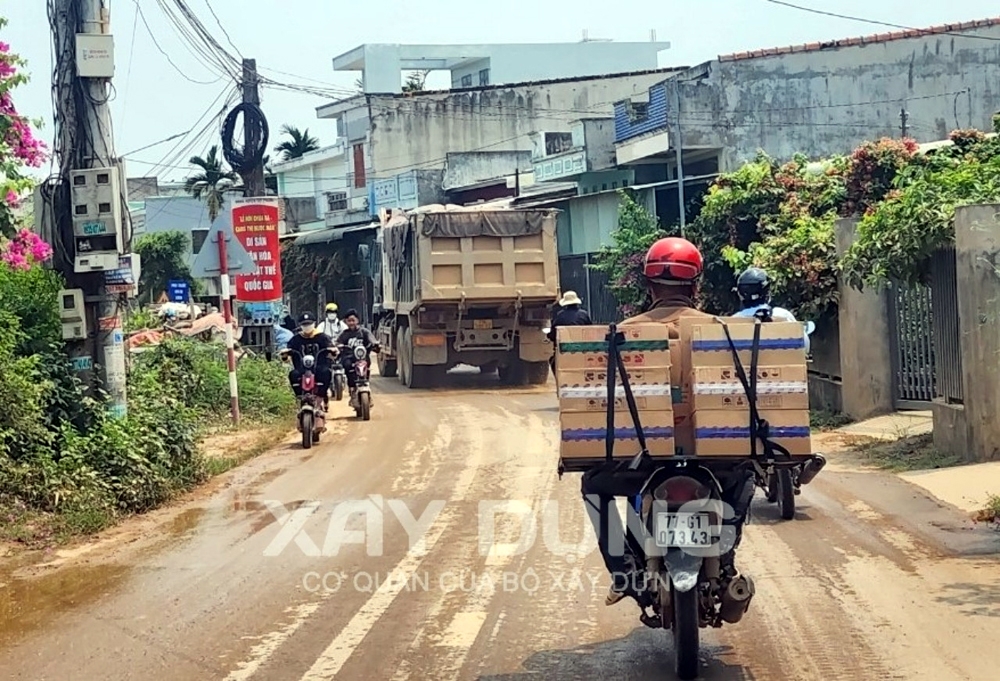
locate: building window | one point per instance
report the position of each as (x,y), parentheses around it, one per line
(467,81)
(359,166)
(484,76)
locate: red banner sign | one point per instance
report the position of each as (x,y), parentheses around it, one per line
(255,226)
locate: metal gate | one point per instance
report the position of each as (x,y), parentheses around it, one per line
(912,345)
(591,285)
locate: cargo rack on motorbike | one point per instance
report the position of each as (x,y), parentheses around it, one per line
(763,452)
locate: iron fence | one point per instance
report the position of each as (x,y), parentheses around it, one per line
(591,285)
(912,345)
(947,352)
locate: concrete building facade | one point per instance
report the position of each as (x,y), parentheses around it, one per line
(473,66)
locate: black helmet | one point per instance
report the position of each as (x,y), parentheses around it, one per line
(754,287)
(307,318)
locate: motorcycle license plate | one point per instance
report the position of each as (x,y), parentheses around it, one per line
(482,323)
(684,530)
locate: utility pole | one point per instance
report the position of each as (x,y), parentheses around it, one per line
(680,156)
(84,143)
(904,117)
(254,179)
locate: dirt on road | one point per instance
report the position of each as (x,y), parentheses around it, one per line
(255,578)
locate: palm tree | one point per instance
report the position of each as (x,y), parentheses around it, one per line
(415,81)
(211,184)
(298,146)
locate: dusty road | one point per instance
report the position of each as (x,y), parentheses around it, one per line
(873,581)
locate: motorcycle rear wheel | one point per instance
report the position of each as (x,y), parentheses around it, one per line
(307,431)
(366,406)
(685,631)
(338,387)
(786,494)
(772,488)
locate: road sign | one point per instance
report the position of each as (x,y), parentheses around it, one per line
(178,291)
(206,263)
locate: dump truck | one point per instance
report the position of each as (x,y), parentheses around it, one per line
(466,285)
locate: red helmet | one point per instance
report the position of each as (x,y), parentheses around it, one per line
(673,259)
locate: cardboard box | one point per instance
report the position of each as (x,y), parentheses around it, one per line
(656,397)
(571,405)
(598,378)
(780,344)
(585,347)
(727,433)
(781,387)
(582,434)
(684,429)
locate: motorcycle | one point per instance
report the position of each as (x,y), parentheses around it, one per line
(782,485)
(361,394)
(339,382)
(311,417)
(685,580)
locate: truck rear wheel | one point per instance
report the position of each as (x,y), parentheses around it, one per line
(402,352)
(415,376)
(515,373)
(538,372)
(387,367)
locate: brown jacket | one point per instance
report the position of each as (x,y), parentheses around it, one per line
(668,311)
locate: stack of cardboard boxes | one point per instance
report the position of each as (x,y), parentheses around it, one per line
(713,412)
(689,396)
(582,378)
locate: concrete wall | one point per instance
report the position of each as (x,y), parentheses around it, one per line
(520,63)
(977,259)
(865,354)
(420,131)
(826,101)
(467,169)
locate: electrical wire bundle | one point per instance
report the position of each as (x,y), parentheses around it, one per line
(241,159)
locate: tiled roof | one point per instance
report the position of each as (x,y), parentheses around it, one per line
(864,40)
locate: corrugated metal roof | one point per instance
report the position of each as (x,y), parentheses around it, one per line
(864,40)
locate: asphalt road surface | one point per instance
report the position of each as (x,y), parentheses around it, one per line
(873,580)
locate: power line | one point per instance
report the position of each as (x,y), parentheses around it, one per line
(156,144)
(164,53)
(223,28)
(876,22)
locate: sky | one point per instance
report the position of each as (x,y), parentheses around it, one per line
(154,99)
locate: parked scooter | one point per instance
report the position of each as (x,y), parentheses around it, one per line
(312,408)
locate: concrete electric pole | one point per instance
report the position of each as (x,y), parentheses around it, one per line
(89,210)
(253,180)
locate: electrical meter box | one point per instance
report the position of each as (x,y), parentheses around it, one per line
(97,202)
(72,314)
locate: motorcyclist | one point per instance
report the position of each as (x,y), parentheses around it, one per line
(571,313)
(332,326)
(348,338)
(672,267)
(754,289)
(310,341)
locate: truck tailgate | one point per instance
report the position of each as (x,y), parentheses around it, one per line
(501,257)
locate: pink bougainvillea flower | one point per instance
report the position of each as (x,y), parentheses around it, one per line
(12,198)
(4,47)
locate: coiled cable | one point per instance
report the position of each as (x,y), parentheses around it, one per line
(240,159)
